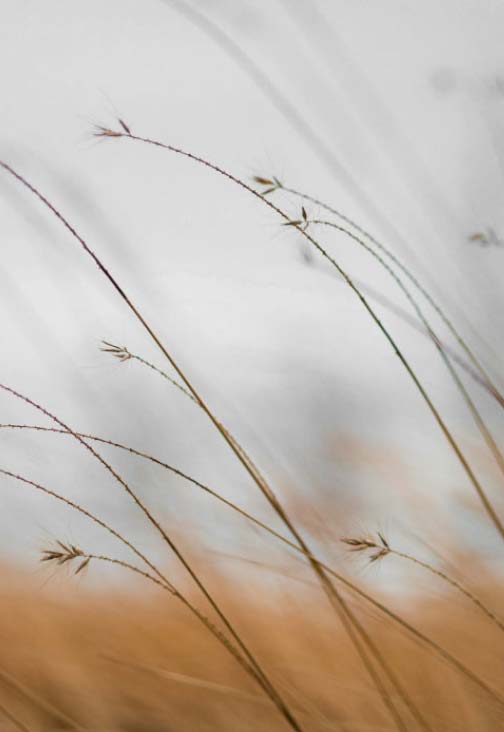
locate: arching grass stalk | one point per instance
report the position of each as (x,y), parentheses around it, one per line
(259,672)
(164,582)
(494,518)
(332,594)
(275,185)
(480,423)
(353,588)
(381,548)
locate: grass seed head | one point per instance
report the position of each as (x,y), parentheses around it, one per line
(120,352)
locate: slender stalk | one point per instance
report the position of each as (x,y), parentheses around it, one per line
(354,589)
(484,377)
(265,489)
(480,423)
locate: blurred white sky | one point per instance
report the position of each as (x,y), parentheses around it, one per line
(408,97)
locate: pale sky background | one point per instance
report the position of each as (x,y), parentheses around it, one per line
(409,99)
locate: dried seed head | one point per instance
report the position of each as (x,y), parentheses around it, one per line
(120,352)
(100,131)
(65,553)
(363,544)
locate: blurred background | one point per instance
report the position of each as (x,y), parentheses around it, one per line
(392,112)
